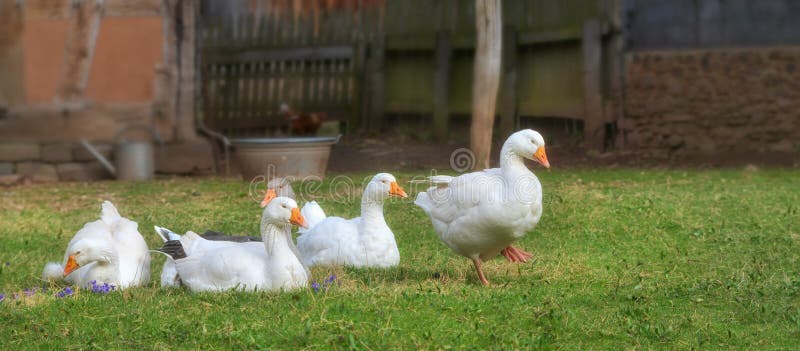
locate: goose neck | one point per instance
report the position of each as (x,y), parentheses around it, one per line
(372,210)
(275,238)
(510,162)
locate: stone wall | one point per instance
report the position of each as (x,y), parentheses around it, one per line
(26,161)
(48,162)
(713,101)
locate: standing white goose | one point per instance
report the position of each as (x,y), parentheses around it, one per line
(109,250)
(364,241)
(271,265)
(480,214)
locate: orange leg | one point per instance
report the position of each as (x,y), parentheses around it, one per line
(477,262)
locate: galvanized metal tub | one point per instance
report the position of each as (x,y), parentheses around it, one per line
(283,157)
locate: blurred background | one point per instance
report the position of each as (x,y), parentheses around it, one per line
(608,82)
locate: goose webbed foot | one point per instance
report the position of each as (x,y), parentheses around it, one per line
(513,254)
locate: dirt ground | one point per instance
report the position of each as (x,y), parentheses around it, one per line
(401,153)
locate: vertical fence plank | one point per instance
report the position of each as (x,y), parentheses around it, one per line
(377,82)
(593,125)
(508,101)
(358,117)
(441,85)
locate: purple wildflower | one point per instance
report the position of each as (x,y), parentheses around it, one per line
(2,297)
(102,289)
(64,293)
(325,284)
(29,292)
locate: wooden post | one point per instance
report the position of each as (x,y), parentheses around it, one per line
(593,122)
(486,78)
(357,119)
(508,101)
(185,112)
(441,85)
(84,25)
(179,54)
(614,50)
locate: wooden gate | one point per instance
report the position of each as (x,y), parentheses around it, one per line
(256,55)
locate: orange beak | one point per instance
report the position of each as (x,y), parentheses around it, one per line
(297,218)
(271,194)
(541,157)
(71,266)
(396,190)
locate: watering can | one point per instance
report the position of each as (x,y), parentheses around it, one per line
(134,159)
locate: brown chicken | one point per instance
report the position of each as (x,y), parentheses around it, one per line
(303,123)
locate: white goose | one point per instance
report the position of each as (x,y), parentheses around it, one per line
(270,265)
(364,241)
(480,214)
(193,245)
(109,250)
(197,244)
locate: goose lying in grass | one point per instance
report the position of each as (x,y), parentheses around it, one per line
(109,250)
(195,244)
(270,265)
(364,241)
(480,214)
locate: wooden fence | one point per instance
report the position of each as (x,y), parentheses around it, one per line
(398,57)
(254,56)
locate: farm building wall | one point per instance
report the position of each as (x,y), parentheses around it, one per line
(127,52)
(76,70)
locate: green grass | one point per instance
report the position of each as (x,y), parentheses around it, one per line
(624,259)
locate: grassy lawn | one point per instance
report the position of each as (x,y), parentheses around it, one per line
(624,259)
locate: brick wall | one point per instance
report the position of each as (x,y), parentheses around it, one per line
(713,101)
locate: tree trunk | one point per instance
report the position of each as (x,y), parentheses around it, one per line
(486,78)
